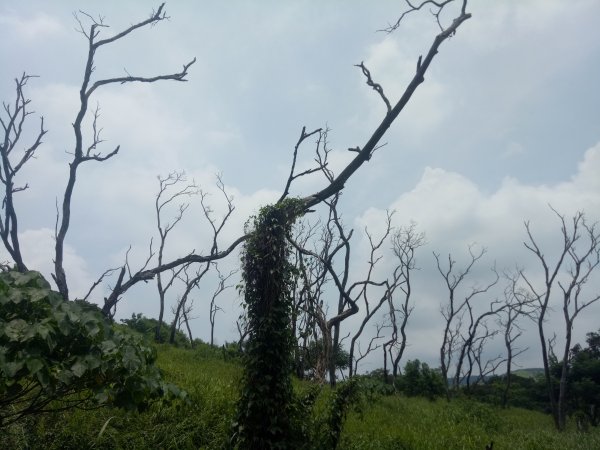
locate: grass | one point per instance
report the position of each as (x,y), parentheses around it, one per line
(416,423)
(382,422)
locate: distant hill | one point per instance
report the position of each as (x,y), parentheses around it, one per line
(529,373)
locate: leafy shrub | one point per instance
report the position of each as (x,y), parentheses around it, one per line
(147,326)
(310,356)
(419,379)
(56,355)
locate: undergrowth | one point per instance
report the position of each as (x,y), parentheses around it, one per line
(378,421)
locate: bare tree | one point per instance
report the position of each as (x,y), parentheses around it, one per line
(317,268)
(580,253)
(222,286)
(474,325)
(487,366)
(387,288)
(371,347)
(454,311)
(405,242)
(85,152)
(518,305)
(164,198)
(10,164)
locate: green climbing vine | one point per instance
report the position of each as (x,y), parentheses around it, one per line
(265,407)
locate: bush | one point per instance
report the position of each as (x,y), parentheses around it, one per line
(147,326)
(57,355)
(419,379)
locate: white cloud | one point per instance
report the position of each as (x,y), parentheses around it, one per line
(39,26)
(37,248)
(454,212)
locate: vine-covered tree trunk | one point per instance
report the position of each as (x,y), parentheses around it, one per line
(263,418)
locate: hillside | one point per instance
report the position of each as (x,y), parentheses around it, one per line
(529,373)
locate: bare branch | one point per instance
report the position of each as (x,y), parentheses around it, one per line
(412,8)
(12,126)
(376,86)
(303,136)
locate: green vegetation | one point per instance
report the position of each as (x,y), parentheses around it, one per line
(380,419)
(264,419)
(58,355)
(147,326)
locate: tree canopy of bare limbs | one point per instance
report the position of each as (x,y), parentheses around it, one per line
(460,338)
(266,285)
(406,241)
(577,259)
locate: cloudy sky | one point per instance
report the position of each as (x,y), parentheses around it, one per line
(506,123)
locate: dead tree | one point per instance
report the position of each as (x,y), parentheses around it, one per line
(317,268)
(474,324)
(387,288)
(164,198)
(373,345)
(217,227)
(485,367)
(578,257)
(405,242)
(222,286)
(11,162)
(86,150)
(307,315)
(454,311)
(518,305)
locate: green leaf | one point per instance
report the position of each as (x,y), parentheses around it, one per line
(16,329)
(34,365)
(92,327)
(11,368)
(108,346)
(64,376)
(78,369)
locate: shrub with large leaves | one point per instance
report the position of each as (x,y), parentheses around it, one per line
(57,354)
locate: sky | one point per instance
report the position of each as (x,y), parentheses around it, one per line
(506,123)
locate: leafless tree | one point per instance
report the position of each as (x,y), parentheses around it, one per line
(405,242)
(11,161)
(454,312)
(170,189)
(371,347)
(183,306)
(518,303)
(386,291)
(475,323)
(578,258)
(222,286)
(487,366)
(317,268)
(88,151)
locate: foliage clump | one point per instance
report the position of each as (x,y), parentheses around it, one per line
(419,379)
(57,354)
(148,326)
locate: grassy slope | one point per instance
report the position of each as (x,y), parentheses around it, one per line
(384,423)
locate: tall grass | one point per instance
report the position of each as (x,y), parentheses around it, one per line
(416,423)
(380,422)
